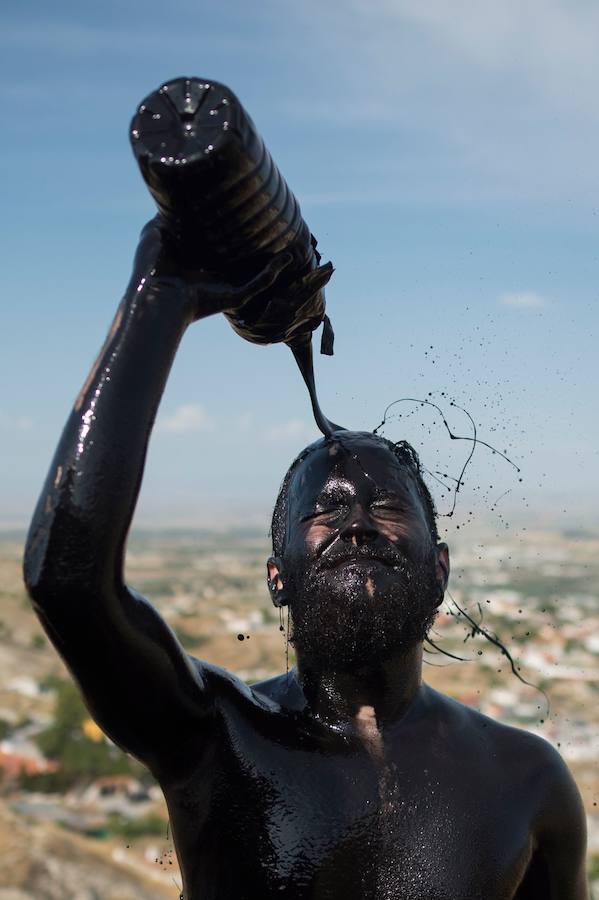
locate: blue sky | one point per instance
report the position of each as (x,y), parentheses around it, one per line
(445,156)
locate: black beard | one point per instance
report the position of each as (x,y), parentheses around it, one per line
(342,620)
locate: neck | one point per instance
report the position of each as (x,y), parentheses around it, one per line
(387,688)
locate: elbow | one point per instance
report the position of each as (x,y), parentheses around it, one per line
(66,557)
(42,583)
(55,590)
(44,551)
(40,591)
(57,584)
(64,552)
(33,561)
(53,568)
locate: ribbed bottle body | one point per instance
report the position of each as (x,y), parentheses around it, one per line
(230,210)
(213,178)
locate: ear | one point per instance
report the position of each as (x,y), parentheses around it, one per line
(442,568)
(274,579)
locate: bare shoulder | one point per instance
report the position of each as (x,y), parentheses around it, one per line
(525,760)
(518,753)
(229,689)
(469,722)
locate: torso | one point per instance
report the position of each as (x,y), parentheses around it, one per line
(284,806)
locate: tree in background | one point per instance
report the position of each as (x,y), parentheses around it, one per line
(77,745)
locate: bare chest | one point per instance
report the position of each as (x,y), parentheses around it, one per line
(292,813)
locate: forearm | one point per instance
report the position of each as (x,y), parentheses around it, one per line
(80,524)
(81,520)
(137,680)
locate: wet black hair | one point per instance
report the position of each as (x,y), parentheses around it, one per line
(405,455)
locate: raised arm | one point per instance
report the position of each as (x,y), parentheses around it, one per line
(137,681)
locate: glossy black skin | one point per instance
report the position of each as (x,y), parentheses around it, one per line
(312,784)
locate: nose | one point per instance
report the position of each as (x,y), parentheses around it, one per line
(358,528)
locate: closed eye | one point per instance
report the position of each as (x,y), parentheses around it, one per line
(387,509)
(325,516)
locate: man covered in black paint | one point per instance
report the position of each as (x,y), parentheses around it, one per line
(348,778)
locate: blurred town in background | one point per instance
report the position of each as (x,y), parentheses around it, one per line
(79,820)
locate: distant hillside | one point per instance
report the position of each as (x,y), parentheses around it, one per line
(41,861)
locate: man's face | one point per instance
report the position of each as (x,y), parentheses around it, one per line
(363,576)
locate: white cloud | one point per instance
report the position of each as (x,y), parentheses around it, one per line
(186,418)
(292,430)
(247,422)
(15,423)
(192,417)
(523,300)
(549,43)
(496,100)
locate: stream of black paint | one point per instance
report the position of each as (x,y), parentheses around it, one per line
(473,439)
(302,351)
